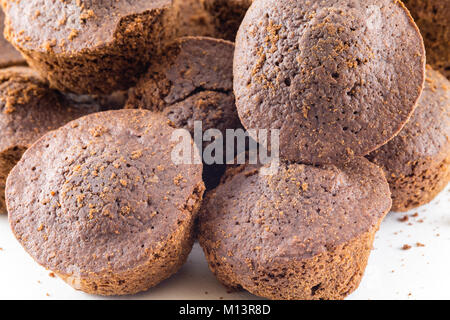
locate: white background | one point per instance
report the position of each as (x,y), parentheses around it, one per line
(392,273)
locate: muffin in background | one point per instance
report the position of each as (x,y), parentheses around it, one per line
(417,161)
(227,16)
(433,19)
(9,56)
(86,47)
(28,110)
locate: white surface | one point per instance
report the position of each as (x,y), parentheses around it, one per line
(392,273)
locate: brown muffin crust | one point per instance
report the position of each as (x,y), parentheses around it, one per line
(433,19)
(192,19)
(187,66)
(304,233)
(227,16)
(338,78)
(8,55)
(192,81)
(417,161)
(211,18)
(112,214)
(28,110)
(87,47)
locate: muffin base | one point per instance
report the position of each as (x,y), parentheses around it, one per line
(8,159)
(409,192)
(331,275)
(112,67)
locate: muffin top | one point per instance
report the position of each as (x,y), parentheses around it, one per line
(425,140)
(298,213)
(8,55)
(215,110)
(189,65)
(29,108)
(74,25)
(193,81)
(339,78)
(101,193)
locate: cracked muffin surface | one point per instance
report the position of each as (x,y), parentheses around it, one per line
(9,56)
(193,81)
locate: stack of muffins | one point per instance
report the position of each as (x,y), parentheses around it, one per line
(90,105)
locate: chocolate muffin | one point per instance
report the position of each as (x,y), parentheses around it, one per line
(417,161)
(338,78)
(8,55)
(303,233)
(88,47)
(192,19)
(29,109)
(227,16)
(101,204)
(192,81)
(433,19)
